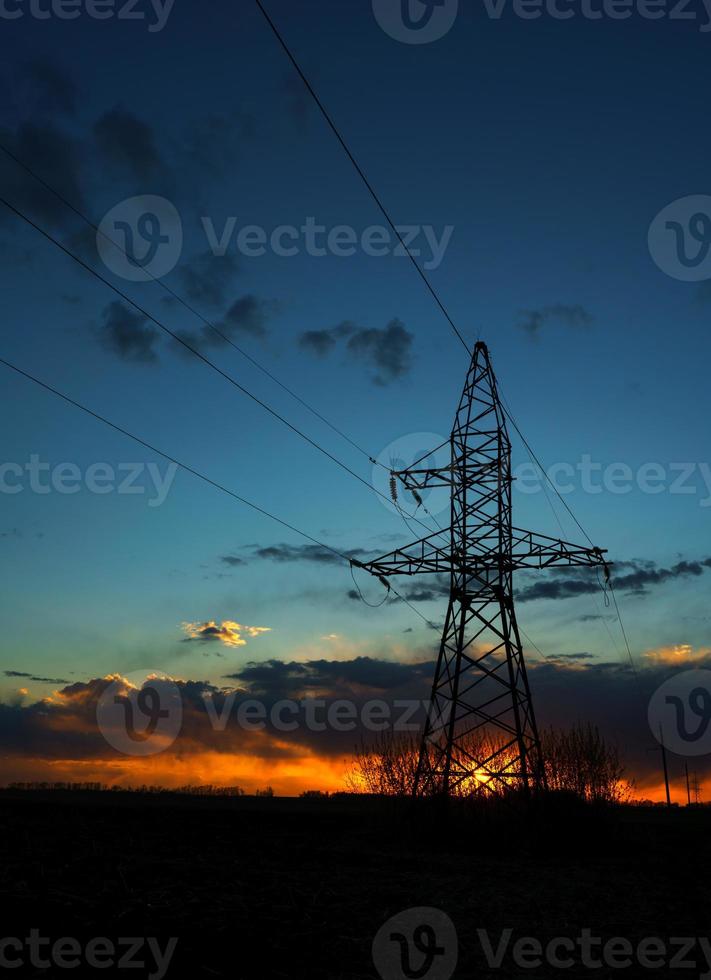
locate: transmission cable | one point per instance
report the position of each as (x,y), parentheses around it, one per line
(180,299)
(373,193)
(360,172)
(194,472)
(184,343)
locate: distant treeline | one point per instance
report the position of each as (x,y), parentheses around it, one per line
(206,789)
(189,790)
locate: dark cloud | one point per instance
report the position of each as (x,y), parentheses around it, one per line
(585,582)
(567,690)
(319,342)
(43,146)
(128,143)
(32,677)
(562,657)
(427,589)
(304,552)
(128,334)
(388,352)
(568,316)
(47,89)
(232,560)
(207,277)
(335,678)
(247,317)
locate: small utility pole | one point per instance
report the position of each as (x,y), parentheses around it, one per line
(664,762)
(688,788)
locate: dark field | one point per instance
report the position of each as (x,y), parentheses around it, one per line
(260,888)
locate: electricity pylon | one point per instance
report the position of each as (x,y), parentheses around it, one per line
(480,732)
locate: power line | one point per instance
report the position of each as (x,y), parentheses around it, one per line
(360,172)
(219,333)
(190,469)
(180,299)
(545,473)
(373,193)
(198,354)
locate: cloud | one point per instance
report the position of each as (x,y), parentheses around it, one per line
(45,89)
(387,352)
(61,730)
(584,581)
(128,143)
(36,143)
(207,276)
(232,560)
(330,678)
(428,589)
(128,334)
(302,552)
(248,317)
(568,316)
(680,654)
(32,677)
(319,342)
(228,632)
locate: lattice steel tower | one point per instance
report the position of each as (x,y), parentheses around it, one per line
(480,733)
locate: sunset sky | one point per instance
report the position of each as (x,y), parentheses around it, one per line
(546,148)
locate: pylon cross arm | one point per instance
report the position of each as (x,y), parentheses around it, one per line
(424,555)
(528,550)
(532,550)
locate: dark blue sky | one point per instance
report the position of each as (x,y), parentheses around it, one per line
(547,146)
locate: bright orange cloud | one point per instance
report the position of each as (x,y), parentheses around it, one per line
(680,653)
(228,632)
